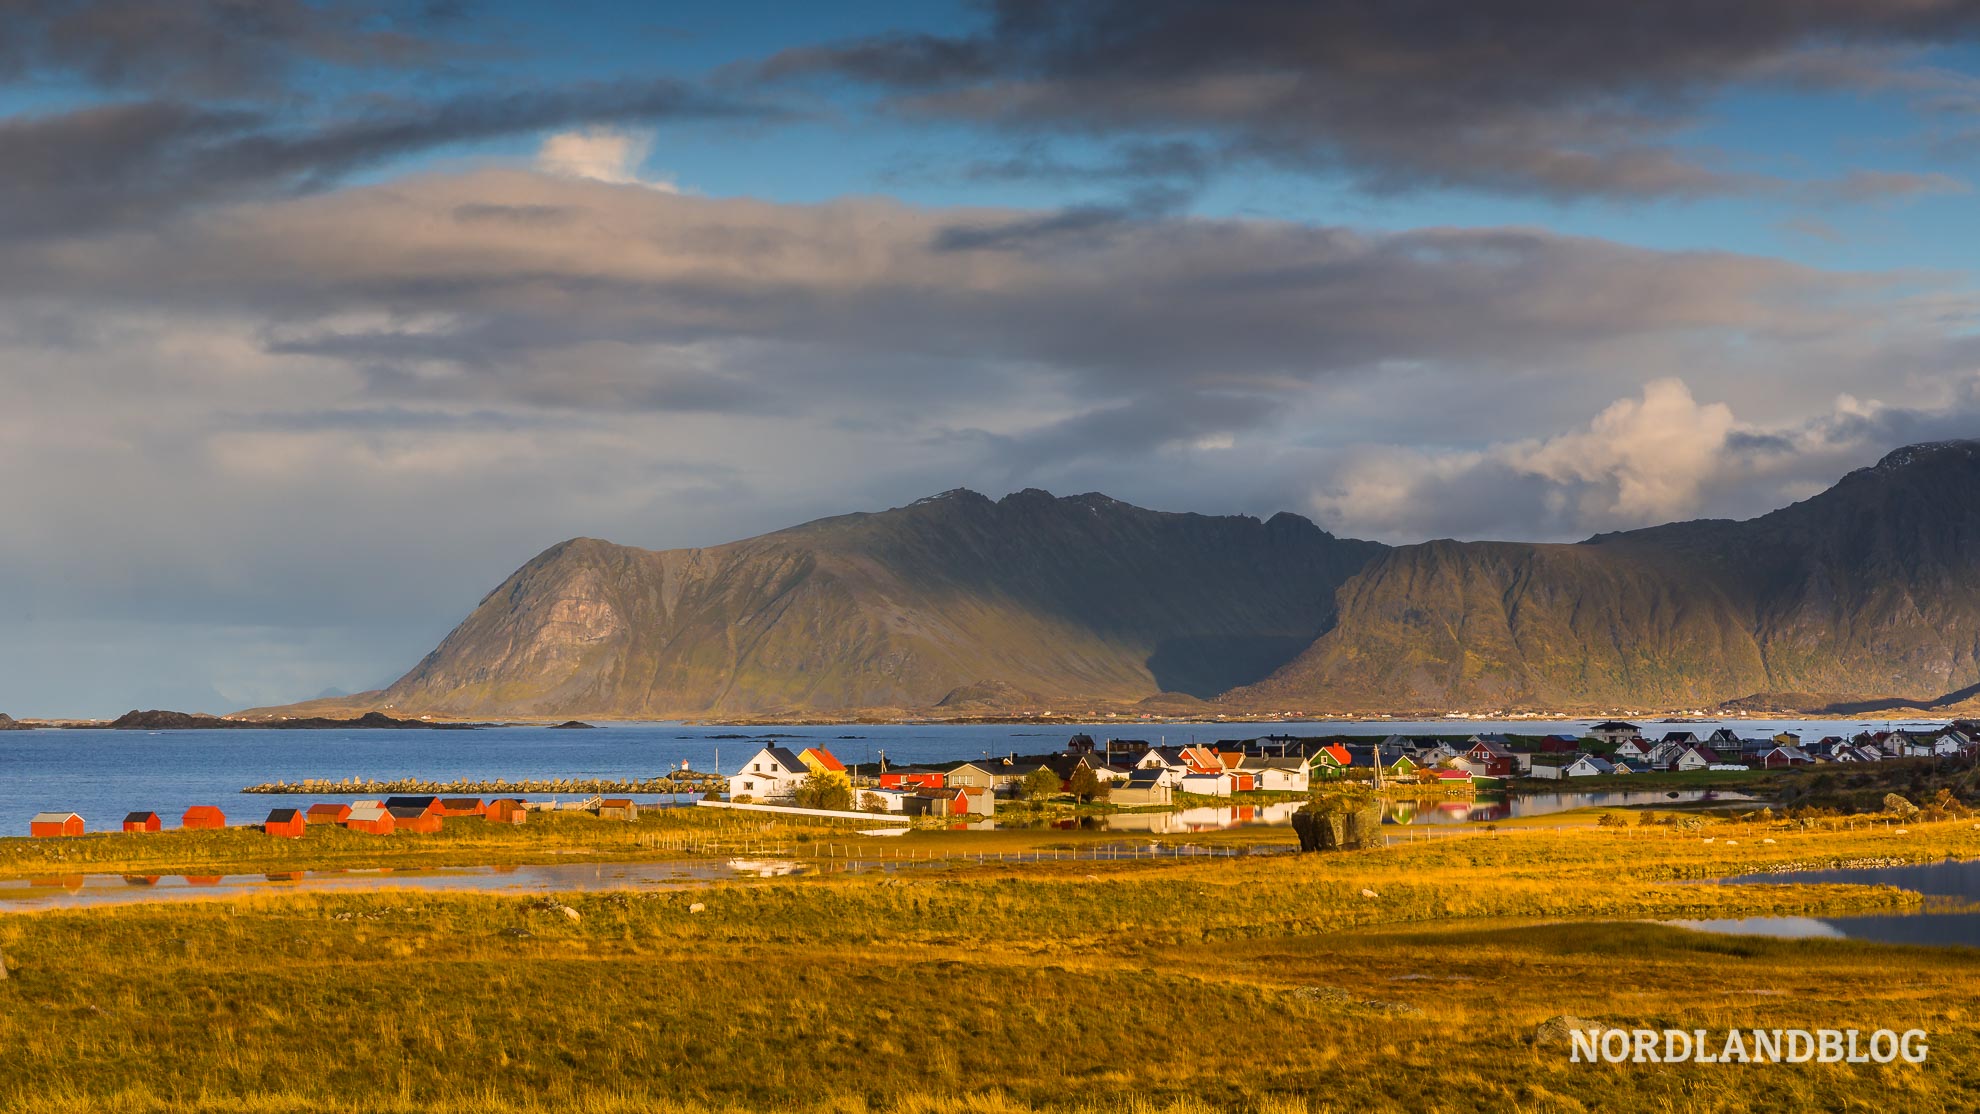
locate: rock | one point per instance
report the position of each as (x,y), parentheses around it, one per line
(697,907)
(1559,1029)
(1370,893)
(1337,829)
(570,912)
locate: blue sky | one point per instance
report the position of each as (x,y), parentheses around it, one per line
(348,310)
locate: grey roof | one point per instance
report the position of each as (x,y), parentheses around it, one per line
(282,815)
(1144,779)
(368,812)
(52,817)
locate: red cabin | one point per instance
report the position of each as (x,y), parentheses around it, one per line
(142,822)
(505,811)
(371,819)
(413,819)
(48,824)
(912,780)
(285,822)
(327,814)
(203,817)
(462,806)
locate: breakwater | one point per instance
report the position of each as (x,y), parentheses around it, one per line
(685,781)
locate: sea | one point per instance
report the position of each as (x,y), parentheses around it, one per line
(104,774)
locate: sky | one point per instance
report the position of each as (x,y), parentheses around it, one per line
(318,319)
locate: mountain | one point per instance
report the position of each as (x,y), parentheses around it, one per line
(1030,598)
(1865,595)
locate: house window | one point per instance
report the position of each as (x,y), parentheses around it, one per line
(758,768)
(749,785)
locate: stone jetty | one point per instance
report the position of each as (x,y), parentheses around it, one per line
(684,781)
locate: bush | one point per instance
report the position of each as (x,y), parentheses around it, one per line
(1085,785)
(825,791)
(1039,784)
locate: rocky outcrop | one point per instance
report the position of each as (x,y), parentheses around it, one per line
(9,723)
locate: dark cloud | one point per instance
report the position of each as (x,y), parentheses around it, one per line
(105,166)
(210,48)
(1556,97)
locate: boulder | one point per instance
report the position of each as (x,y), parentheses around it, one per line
(1337,829)
(1559,1029)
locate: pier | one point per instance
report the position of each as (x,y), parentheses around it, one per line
(683,781)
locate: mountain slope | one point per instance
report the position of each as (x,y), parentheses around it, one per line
(1870,589)
(1034,595)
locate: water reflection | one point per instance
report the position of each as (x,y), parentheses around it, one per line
(1952,881)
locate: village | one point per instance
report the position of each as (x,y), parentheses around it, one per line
(1136,775)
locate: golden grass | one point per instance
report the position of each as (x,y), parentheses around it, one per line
(1147,986)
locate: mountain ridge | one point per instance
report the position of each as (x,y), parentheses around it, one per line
(1864,595)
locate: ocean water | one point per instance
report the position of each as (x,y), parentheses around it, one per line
(104,774)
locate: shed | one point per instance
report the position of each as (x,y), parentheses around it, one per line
(142,822)
(285,822)
(411,818)
(618,808)
(462,806)
(46,824)
(370,818)
(508,810)
(327,813)
(203,816)
(426,805)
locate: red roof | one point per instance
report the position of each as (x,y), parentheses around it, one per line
(1338,753)
(823,757)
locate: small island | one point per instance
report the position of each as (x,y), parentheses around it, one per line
(573,725)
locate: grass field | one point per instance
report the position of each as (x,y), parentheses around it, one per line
(1265,983)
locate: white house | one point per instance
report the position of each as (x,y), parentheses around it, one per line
(1207,784)
(1587,766)
(1282,774)
(1695,758)
(1633,749)
(1614,731)
(773,773)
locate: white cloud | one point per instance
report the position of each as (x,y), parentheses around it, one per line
(1642,460)
(601,155)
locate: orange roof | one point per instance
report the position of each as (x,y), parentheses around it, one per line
(821,758)
(1338,753)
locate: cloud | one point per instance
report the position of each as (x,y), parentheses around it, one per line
(601,155)
(131,164)
(1860,186)
(1550,97)
(210,48)
(1658,457)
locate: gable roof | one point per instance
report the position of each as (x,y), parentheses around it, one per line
(282,815)
(826,759)
(53,817)
(1614,725)
(368,813)
(138,817)
(1337,752)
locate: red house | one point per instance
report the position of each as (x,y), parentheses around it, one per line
(462,806)
(371,819)
(1497,760)
(425,806)
(285,822)
(49,824)
(203,816)
(142,822)
(327,814)
(508,810)
(411,818)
